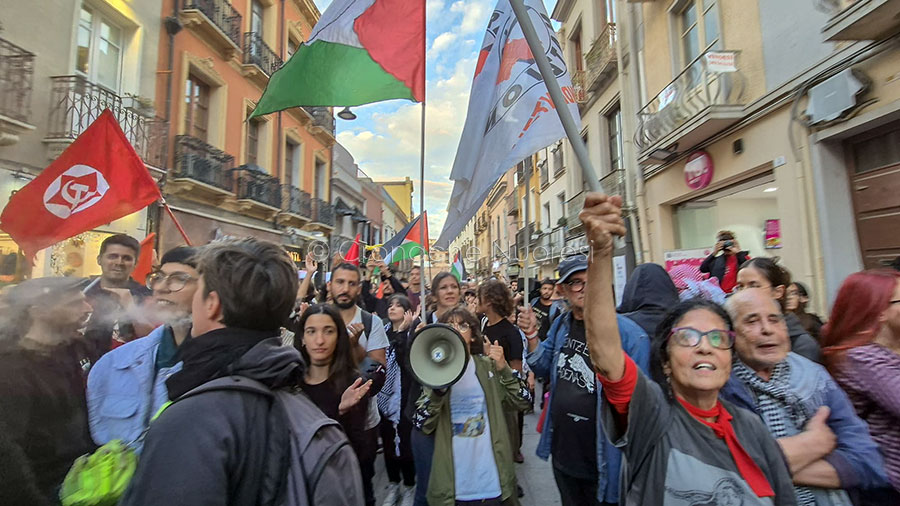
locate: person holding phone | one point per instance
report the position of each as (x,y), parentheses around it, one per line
(724,266)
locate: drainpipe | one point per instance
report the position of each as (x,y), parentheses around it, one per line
(172,25)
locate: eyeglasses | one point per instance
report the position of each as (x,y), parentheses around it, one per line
(752,284)
(461,326)
(173,282)
(690,337)
(576,285)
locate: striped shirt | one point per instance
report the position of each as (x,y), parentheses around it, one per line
(871,377)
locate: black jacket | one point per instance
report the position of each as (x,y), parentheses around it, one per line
(715,265)
(375,305)
(44,411)
(211,449)
(648,294)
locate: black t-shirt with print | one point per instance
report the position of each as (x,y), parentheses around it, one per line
(542,313)
(508,336)
(574,408)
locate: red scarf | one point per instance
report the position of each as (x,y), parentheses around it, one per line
(751,473)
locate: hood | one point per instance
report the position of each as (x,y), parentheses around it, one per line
(271,363)
(648,287)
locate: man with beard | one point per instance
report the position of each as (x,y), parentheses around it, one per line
(138,370)
(44,363)
(367,338)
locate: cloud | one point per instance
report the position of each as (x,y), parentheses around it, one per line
(474,14)
(441,42)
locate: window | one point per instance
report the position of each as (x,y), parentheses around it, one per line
(561,200)
(576,44)
(548,222)
(196,117)
(698,25)
(256,17)
(614,127)
(291,48)
(99,54)
(321,179)
(610,11)
(558,161)
(292,162)
(253,141)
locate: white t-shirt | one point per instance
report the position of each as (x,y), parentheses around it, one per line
(474,467)
(377,341)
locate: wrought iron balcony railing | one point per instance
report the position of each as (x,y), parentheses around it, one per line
(222,14)
(523,235)
(573,208)
(76,102)
(296,201)
(16,76)
(693,92)
(323,212)
(252,183)
(257,52)
(197,160)
(601,57)
(322,117)
(614,183)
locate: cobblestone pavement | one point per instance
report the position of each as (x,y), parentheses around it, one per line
(535,475)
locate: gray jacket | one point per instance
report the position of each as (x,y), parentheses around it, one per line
(801,342)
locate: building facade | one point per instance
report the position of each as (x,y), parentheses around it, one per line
(62,62)
(347,198)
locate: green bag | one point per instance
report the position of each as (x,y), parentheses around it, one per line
(101,478)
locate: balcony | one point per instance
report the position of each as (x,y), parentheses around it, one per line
(699,103)
(257,192)
(16,76)
(613,183)
(512,205)
(296,207)
(523,235)
(214,21)
(75,103)
(864,20)
(322,216)
(600,61)
(202,172)
(260,62)
(573,208)
(323,120)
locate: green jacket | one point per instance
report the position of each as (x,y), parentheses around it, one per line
(502,392)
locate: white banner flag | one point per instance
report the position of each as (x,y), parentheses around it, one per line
(510,113)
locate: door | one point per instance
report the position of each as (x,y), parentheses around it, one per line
(874,172)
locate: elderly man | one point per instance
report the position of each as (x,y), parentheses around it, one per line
(827,447)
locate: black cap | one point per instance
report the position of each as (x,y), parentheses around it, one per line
(571,265)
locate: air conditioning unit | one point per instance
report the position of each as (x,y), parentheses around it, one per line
(836,96)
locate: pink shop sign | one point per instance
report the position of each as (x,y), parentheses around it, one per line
(698,171)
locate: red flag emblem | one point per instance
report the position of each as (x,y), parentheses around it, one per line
(97,179)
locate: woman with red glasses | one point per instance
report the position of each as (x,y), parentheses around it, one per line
(682,444)
(862,352)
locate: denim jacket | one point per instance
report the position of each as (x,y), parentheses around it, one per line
(123,392)
(543,362)
(856,459)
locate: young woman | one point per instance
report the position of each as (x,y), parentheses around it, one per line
(683,444)
(396,417)
(762,272)
(862,351)
(446,293)
(472,462)
(331,380)
(795,302)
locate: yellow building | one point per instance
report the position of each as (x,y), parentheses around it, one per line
(401,192)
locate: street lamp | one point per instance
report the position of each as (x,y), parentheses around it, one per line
(346,114)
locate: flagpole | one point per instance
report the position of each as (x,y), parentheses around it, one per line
(422,180)
(527,235)
(562,110)
(175,221)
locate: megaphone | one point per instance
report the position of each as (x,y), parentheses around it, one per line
(438,356)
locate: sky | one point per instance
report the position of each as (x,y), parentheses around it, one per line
(385,137)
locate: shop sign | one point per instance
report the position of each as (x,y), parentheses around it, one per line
(692,257)
(773,234)
(294,252)
(720,61)
(698,171)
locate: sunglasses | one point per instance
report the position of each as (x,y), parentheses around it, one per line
(690,337)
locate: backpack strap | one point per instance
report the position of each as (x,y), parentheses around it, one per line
(367,323)
(230,383)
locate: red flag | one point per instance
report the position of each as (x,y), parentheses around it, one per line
(353,253)
(97,179)
(145,260)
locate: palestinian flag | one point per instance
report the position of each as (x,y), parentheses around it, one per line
(458,268)
(360,51)
(409,242)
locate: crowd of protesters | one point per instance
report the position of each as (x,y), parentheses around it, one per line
(709,385)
